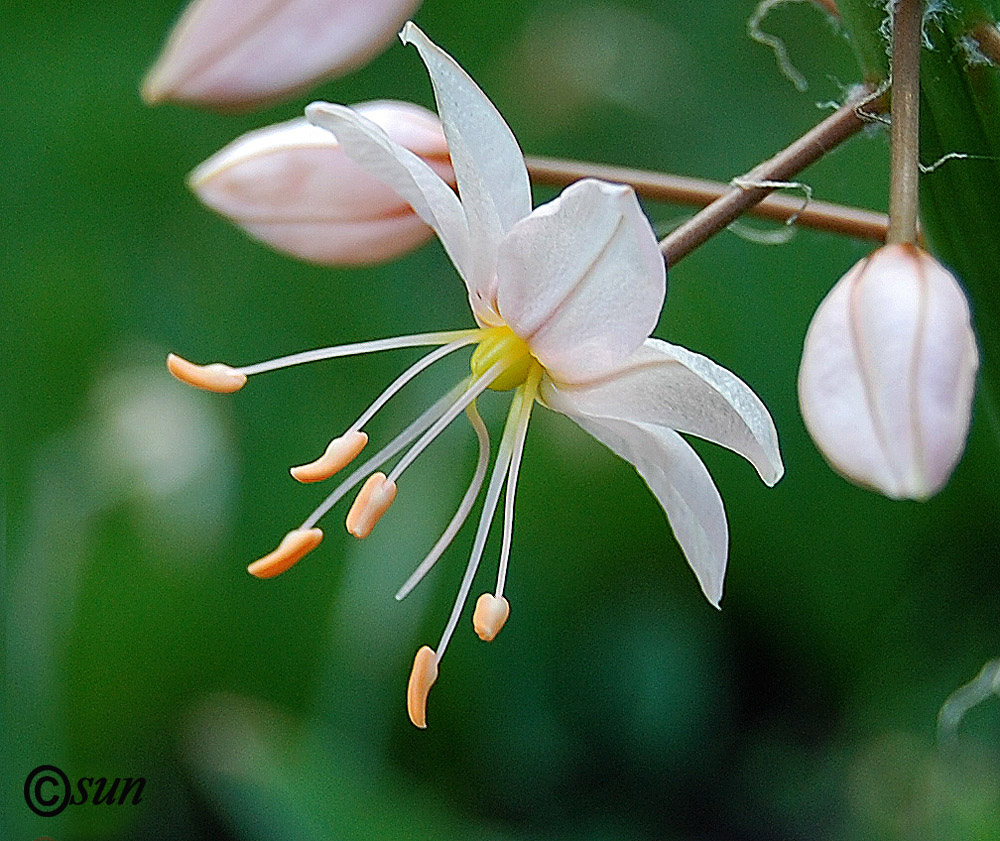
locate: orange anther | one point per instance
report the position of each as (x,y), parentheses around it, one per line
(339,453)
(372,502)
(422,677)
(295,546)
(490,615)
(215,377)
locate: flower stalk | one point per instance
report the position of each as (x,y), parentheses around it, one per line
(700,192)
(904,182)
(763,179)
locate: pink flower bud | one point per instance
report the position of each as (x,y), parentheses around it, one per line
(239,53)
(291,186)
(888,373)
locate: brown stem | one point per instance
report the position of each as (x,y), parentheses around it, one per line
(830,6)
(904,137)
(988,36)
(680,189)
(845,122)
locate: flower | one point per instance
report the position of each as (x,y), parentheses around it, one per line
(565,297)
(888,373)
(239,53)
(291,186)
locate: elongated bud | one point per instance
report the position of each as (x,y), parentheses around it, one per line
(373,500)
(292,187)
(422,677)
(490,616)
(240,53)
(292,549)
(215,377)
(339,453)
(888,373)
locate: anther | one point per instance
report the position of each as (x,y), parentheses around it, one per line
(339,453)
(489,616)
(215,377)
(422,677)
(372,502)
(295,546)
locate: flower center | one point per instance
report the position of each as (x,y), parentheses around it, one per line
(500,344)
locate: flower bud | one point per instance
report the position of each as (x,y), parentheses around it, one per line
(888,373)
(292,187)
(239,53)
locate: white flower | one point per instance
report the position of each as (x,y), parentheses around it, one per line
(565,296)
(888,373)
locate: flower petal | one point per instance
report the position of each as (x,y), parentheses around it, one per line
(489,168)
(582,280)
(669,386)
(682,485)
(291,186)
(432,199)
(232,53)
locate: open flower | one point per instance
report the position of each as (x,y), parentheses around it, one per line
(565,297)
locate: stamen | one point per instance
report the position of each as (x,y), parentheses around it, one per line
(410,373)
(216,377)
(528,400)
(339,453)
(463,509)
(372,502)
(485,520)
(478,387)
(490,615)
(393,343)
(422,677)
(295,546)
(408,435)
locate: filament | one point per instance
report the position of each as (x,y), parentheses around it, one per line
(388,451)
(464,507)
(485,520)
(393,343)
(530,389)
(474,390)
(409,374)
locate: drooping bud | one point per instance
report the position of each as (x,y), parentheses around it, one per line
(241,53)
(372,501)
(339,453)
(292,187)
(490,616)
(422,677)
(888,373)
(292,549)
(216,377)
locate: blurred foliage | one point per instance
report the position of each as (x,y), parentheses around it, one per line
(616,703)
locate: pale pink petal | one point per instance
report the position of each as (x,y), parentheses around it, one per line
(582,280)
(669,386)
(683,487)
(291,186)
(234,53)
(489,168)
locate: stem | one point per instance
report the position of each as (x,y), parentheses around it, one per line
(830,6)
(845,122)
(988,36)
(680,189)
(904,184)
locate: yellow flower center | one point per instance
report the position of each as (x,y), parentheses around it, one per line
(499,344)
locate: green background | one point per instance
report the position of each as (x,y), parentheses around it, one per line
(616,703)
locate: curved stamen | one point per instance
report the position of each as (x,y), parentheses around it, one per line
(405,437)
(530,388)
(485,520)
(393,343)
(409,374)
(464,507)
(478,387)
